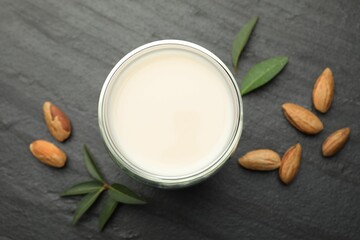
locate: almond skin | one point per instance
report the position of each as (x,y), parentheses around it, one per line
(48,153)
(335,142)
(323,92)
(261,159)
(302,119)
(57,122)
(290,164)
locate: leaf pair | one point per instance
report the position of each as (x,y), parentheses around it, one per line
(85,204)
(117,193)
(260,73)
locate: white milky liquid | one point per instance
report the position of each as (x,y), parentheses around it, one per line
(171,112)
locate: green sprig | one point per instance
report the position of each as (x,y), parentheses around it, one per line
(262,72)
(117,193)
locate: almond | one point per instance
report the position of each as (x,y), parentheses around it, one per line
(261,159)
(290,164)
(48,153)
(302,119)
(335,142)
(57,122)
(323,92)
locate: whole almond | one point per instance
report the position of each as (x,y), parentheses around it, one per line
(48,153)
(302,119)
(323,92)
(57,122)
(290,164)
(335,142)
(261,159)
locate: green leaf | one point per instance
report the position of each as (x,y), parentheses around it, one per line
(82,188)
(85,204)
(262,73)
(123,194)
(107,210)
(241,39)
(91,167)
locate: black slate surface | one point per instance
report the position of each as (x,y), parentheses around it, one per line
(63,50)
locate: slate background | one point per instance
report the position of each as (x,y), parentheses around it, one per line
(62,51)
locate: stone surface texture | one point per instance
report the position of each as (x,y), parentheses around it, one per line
(62,51)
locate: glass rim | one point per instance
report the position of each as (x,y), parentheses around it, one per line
(156,179)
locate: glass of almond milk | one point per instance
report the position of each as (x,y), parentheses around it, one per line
(170,113)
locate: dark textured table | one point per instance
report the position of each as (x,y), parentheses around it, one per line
(62,51)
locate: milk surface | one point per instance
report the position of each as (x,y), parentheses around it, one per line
(171,112)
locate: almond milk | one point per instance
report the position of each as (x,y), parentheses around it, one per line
(171,112)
